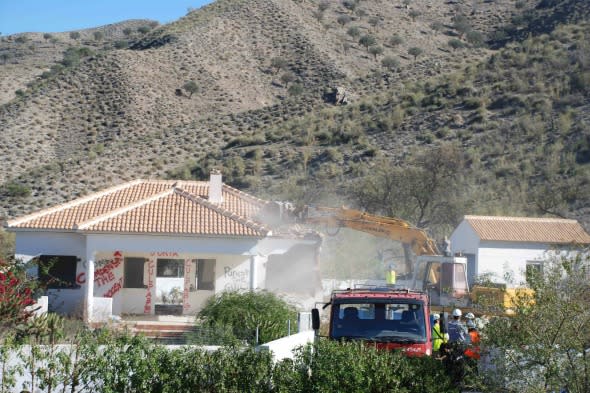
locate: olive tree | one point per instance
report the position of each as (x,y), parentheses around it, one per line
(343,19)
(390,63)
(98,35)
(287,77)
(376,50)
(367,41)
(296,89)
(425,190)
(350,4)
(353,31)
(461,25)
(143,29)
(323,5)
(415,52)
(191,87)
(475,38)
(278,63)
(545,345)
(395,40)
(456,43)
(7,241)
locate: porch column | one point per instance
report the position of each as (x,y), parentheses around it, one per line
(89,290)
(253,272)
(258,271)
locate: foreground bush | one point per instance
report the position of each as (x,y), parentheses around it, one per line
(244,312)
(102,362)
(356,367)
(16,293)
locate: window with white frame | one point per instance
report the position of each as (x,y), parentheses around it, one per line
(534,269)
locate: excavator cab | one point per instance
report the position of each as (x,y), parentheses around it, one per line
(444,278)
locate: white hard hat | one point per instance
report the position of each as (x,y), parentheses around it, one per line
(457,312)
(436,317)
(469,315)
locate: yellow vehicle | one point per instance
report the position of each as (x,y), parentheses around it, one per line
(443,277)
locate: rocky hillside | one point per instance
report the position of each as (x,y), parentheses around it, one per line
(82,112)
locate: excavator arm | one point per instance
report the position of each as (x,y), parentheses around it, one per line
(386,227)
(443,277)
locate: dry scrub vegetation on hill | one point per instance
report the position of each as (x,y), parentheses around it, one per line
(497,88)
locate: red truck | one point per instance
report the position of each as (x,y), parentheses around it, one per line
(385,317)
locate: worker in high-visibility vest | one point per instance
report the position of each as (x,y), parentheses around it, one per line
(438,337)
(390,276)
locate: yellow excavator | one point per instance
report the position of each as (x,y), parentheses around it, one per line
(443,277)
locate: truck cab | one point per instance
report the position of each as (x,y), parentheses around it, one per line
(385,317)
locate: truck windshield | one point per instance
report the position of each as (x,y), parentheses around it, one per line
(381,322)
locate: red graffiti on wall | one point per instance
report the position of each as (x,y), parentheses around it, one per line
(147,309)
(164,254)
(105,274)
(81,278)
(187,283)
(114,289)
(104,277)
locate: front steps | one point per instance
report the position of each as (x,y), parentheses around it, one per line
(165,329)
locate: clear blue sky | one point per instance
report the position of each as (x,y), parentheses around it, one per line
(52,16)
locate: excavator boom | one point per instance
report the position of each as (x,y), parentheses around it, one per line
(386,227)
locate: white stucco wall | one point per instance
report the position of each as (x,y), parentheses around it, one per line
(504,260)
(169,246)
(31,244)
(464,240)
(240,265)
(232,272)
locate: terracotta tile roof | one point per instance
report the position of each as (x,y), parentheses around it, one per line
(155,207)
(525,229)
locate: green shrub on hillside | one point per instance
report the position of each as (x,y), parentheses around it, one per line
(15,190)
(72,56)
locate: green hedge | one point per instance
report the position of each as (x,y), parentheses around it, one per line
(101,362)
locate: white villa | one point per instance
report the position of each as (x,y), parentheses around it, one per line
(502,247)
(163,247)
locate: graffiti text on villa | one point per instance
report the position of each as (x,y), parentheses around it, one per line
(235,279)
(164,254)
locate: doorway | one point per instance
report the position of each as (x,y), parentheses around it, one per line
(169,286)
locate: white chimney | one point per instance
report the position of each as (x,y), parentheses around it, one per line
(215,185)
